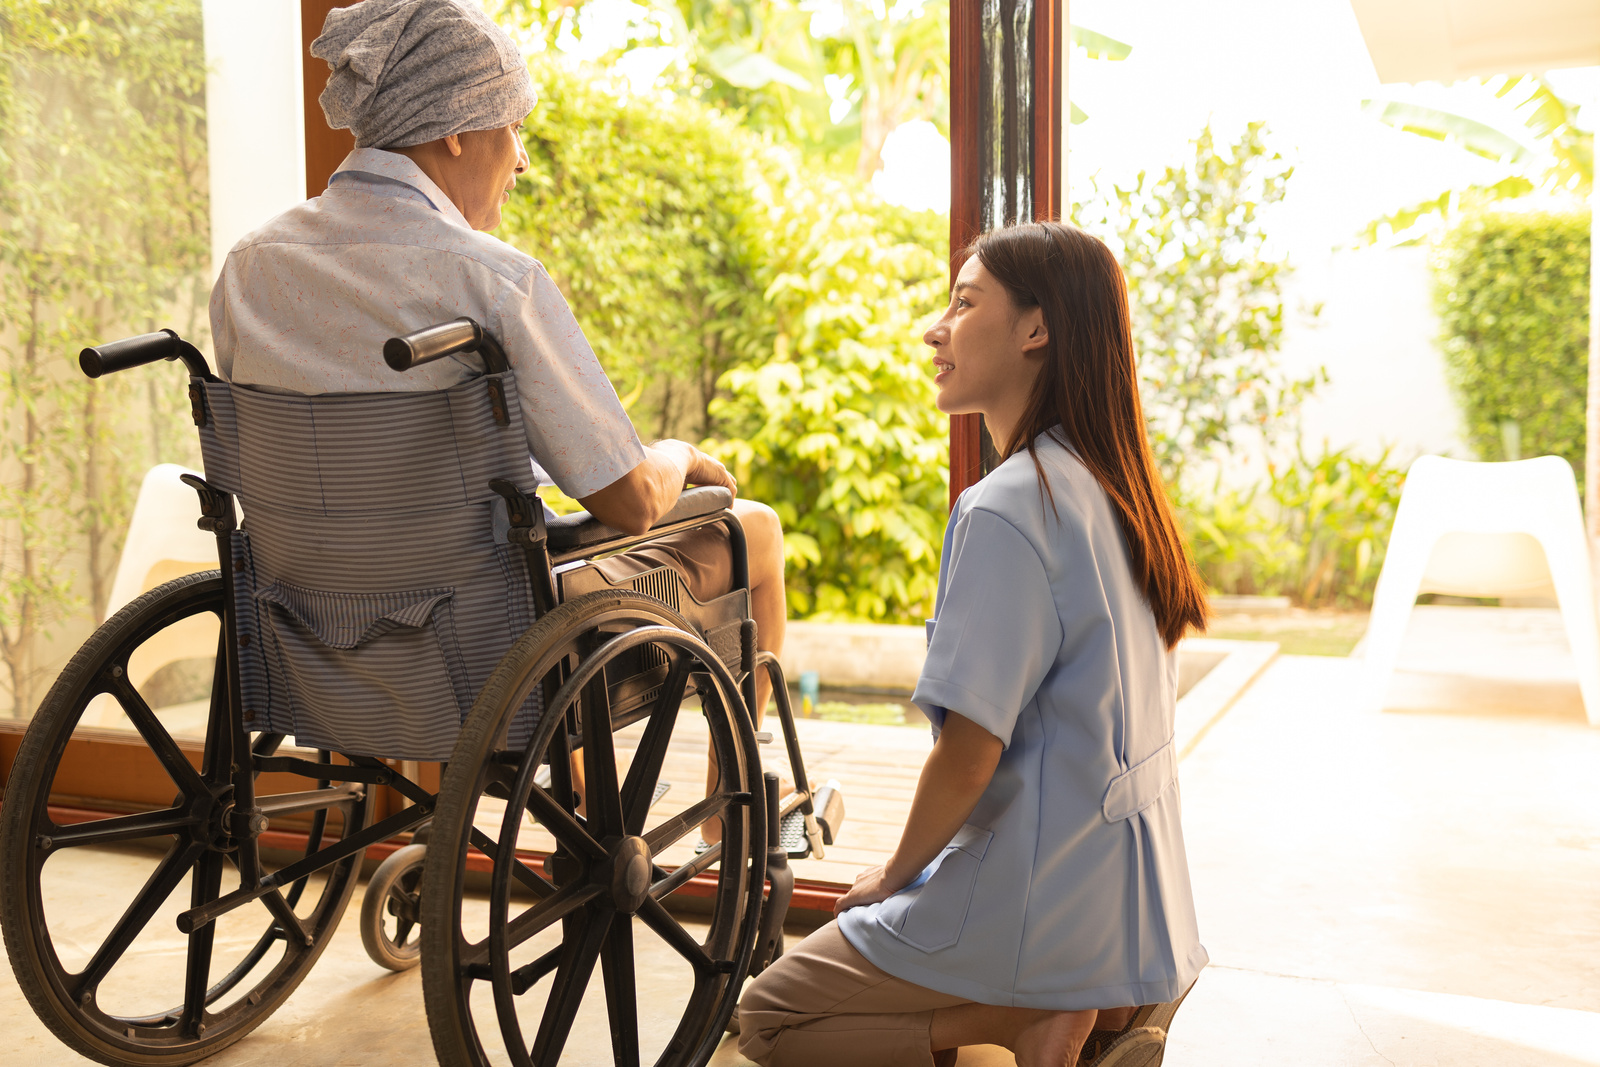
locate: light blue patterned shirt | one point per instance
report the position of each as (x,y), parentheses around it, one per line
(305,303)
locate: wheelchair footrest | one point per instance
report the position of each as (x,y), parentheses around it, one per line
(792,835)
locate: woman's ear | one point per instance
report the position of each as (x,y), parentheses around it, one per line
(1035,333)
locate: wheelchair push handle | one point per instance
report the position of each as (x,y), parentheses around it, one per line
(116,356)
(443,339)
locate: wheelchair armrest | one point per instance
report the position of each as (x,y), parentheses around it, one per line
(582,530)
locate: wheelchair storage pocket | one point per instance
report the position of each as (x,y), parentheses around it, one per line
(368,671)
(929,917)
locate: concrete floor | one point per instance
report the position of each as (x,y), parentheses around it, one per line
(1419,886)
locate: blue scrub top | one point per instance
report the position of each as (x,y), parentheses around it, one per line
(1068,888)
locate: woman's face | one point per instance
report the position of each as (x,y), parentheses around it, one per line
(986,353)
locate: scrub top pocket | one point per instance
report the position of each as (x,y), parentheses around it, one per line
(930,916)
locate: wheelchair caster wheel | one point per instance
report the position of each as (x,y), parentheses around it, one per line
(393,897)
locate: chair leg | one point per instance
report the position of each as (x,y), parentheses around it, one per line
(1410,545)
(1568,557)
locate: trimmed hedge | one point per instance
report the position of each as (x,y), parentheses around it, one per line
(1512,292)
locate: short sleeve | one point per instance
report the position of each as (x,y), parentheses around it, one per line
(577,429)
(997,631)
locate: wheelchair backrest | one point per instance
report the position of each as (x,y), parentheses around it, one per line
(374,585)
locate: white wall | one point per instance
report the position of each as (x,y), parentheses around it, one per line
(1378,337)
(255,117)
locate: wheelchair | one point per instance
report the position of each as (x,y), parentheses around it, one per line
(550,694)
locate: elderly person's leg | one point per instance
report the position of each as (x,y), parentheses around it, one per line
(704,559)
(769,606)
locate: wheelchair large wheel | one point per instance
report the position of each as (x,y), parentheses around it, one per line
(516,983)
(110,973)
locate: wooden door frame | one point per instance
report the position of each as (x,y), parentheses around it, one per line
(1051,42)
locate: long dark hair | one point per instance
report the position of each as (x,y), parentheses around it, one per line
(1087,396)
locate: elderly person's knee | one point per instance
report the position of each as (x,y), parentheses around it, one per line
(763,530)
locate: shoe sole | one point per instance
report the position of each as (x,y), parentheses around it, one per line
(1143,1046)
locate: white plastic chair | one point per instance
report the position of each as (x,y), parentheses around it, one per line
(1487,530)
(163,543)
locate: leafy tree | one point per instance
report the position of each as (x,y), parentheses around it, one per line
(102,227)
(1548,152)
(790,304)
(634,206)
(832,419)
(1207,297)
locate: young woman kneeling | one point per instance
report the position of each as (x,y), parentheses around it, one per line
(1039,895)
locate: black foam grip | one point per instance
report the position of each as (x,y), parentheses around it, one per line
(129,352)
(431,343)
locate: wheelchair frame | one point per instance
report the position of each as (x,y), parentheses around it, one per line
(223,816)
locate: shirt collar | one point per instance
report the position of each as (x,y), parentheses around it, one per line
(399,168)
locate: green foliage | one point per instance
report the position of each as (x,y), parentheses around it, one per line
(1546,152)
(832,419)
(635,208)
(738,295)
(832,82)
(1315,531)
(1207,297)
(1512,292)
(102,227)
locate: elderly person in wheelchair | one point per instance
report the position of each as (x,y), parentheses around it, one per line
(435,95)
(397,593)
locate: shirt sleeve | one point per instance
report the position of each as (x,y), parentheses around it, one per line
(997,632)
(577,429)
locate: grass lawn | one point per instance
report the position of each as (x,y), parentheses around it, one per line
(1298,632)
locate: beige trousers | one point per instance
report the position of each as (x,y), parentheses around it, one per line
(823,1004)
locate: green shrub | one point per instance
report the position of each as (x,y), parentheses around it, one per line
(740,297)
(832,419)
(635,207)
(1512,292)
(1315,531)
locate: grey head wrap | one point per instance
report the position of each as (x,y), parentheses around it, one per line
(406,72)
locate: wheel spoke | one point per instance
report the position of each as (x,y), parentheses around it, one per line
(677,938)
(600,760)
(671,831)
(647,759)
(568,899)
(535,882)
(524,977)
(155,734)
(622,1005)
(121,828)
(572,981)
(197,972)
(154,893)
(294,931)
(562,824)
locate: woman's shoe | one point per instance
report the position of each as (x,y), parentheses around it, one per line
(1142,1046)
(1157,1016)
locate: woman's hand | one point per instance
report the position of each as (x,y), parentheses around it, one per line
(872,885)
(958,770)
